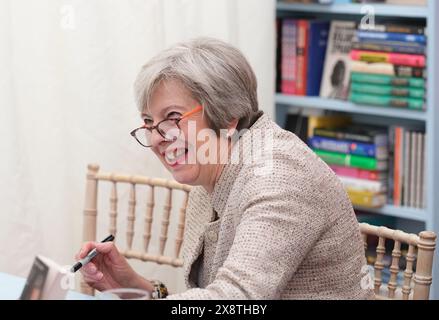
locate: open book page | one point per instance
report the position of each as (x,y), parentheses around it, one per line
(47,280)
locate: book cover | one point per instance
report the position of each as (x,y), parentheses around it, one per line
(384,68)
(288,56)
(357,132)
(389,47)
(390,36)
(372,175)
(47,281)
(352,161)
(361,185)
(327,122)
(385,90)
(349,147)
(317,43)
(336,72)
(419,170)
(406,163)
(381,79)
(367,199)
(410,60)
(388,101)
(303,27)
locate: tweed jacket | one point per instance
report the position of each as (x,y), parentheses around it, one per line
(285,227)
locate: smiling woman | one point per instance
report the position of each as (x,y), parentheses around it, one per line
(266,223)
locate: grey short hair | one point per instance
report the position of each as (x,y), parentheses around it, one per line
(216,73)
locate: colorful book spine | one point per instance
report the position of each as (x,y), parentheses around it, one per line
(398,166)
(379,139)
(351,160)
(384,90)
(367,199)
(317,43)
(388,69)
(302,57)
(288,56)
(388,101)
(372,175)
(390,36)
(348,147)
(381,79)
(390,48)
(361,185)
(395,28)
(393,58)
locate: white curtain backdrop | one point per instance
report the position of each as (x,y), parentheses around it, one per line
(66,100)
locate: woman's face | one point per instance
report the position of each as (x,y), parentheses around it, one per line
(171,100)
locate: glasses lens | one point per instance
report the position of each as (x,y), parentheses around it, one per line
(169,130)
(143,136)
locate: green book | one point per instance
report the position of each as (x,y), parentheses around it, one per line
(382,79)
(351,160)
(388,101)
(385,90)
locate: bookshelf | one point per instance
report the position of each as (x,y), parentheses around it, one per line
(428,217)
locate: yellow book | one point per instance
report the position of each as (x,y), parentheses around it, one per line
(327,122)
(367,199)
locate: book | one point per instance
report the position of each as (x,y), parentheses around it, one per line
(384,90)
(337,68)
(349,147)
(395,28)
(47,281)
(327,122)
(288,56)
(357,132)
(372,175)
(384,68)
(406,167)
(317,43)
(351,160)
(390,36)
(302,56)
(411,60)
(388,101)
(367,199)
(382,79)
(361,185)
(395,47)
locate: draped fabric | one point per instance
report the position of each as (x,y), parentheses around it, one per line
(66,100)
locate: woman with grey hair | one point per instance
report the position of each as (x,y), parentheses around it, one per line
(266,219)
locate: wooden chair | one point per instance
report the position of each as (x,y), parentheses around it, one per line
(421,248)
(91,211)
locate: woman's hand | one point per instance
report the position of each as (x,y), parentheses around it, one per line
(109,269)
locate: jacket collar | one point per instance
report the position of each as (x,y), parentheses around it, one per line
(223,186)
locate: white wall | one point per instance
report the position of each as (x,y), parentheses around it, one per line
(66,75)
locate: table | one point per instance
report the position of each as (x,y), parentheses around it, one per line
(11,287)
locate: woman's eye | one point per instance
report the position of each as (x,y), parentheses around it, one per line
(173,115)
(148,122)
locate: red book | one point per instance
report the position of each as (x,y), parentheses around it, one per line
(302,56)
(412,60)
(288,56)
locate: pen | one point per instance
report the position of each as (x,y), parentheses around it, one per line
(93,253)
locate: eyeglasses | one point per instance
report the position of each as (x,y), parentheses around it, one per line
(169,129)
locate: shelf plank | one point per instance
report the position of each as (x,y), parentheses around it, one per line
(385,10)
(400,212)
(346,106)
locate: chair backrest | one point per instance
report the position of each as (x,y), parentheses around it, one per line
(416,282)
(91,211)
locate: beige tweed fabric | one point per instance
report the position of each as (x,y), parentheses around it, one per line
(286,228)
